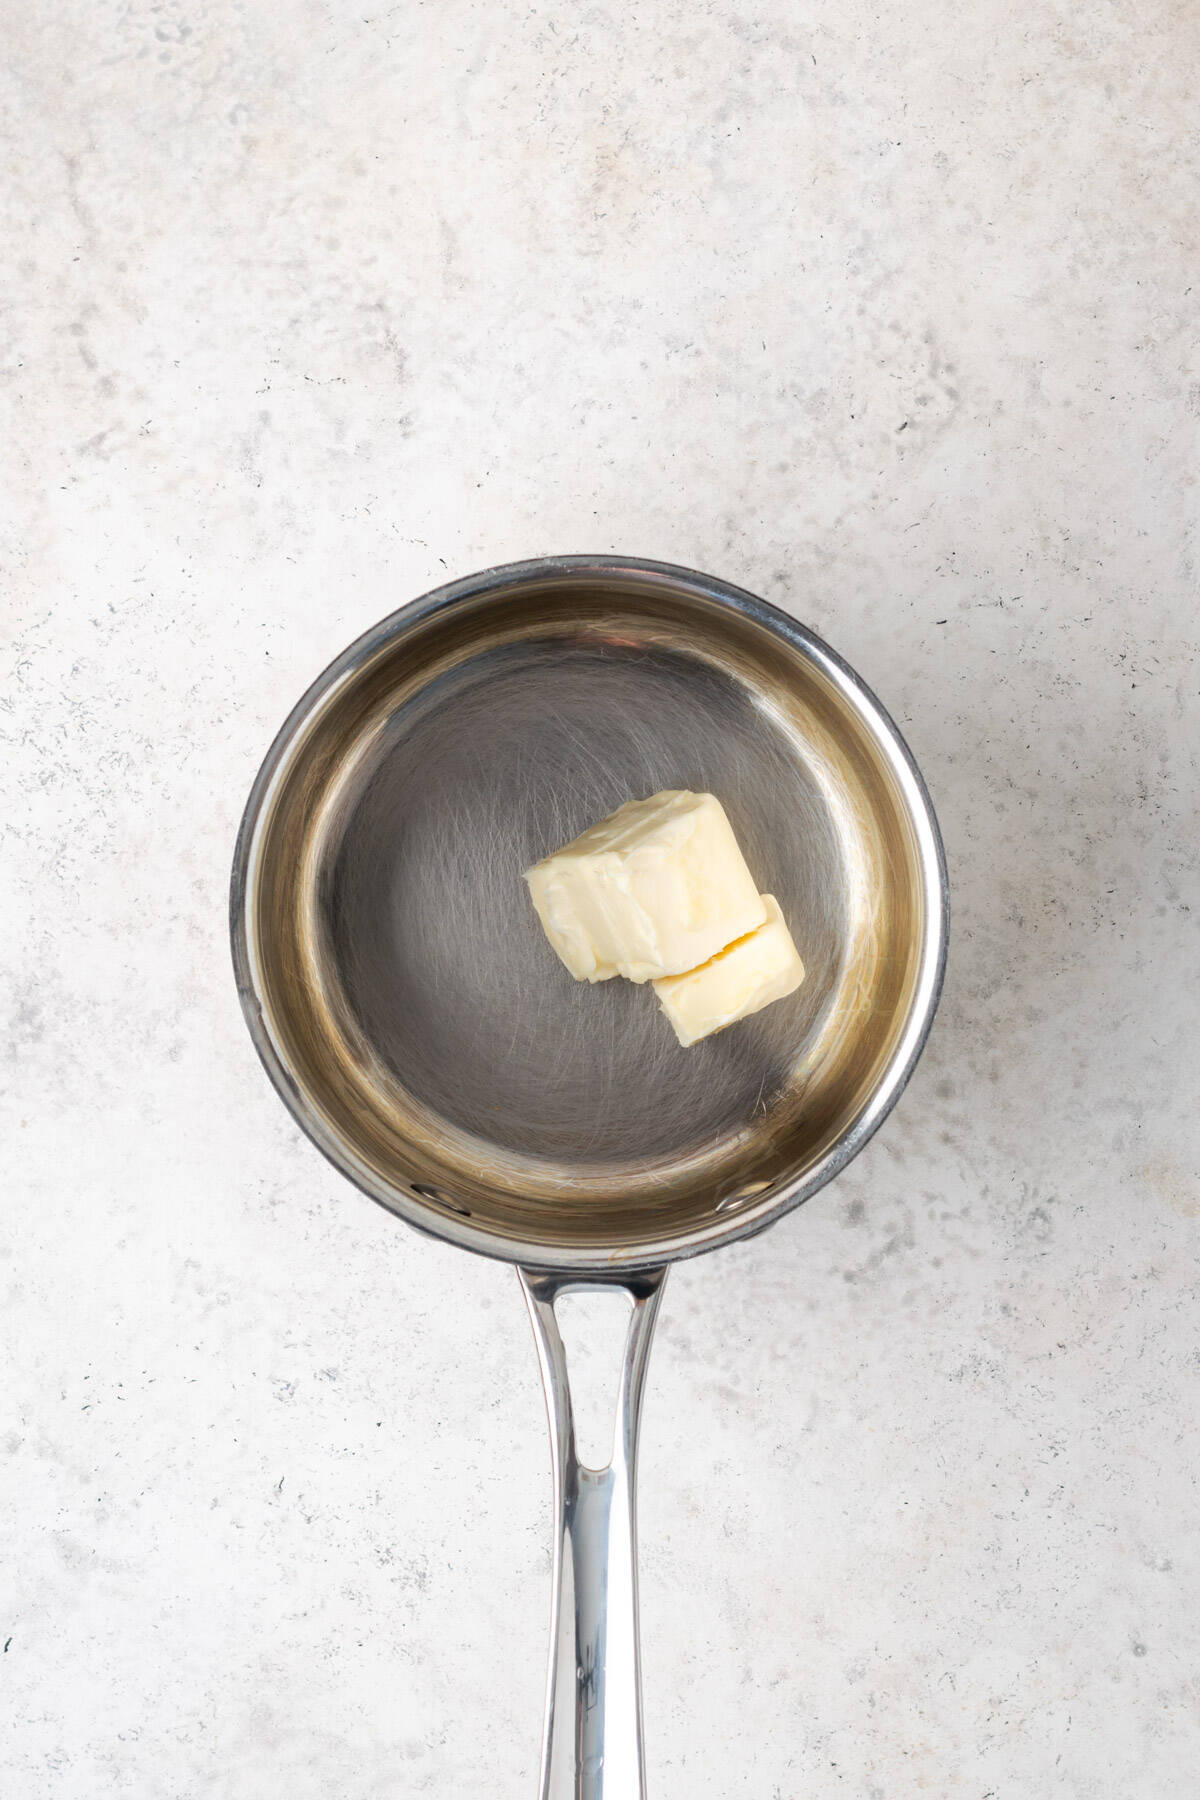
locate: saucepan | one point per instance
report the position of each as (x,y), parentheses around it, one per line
(413,1018)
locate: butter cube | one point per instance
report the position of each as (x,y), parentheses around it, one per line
(656,888)
(760,967)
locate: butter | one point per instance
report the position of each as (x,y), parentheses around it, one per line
(651,891)
(758,968)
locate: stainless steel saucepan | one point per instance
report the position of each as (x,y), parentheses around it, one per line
(412,1017)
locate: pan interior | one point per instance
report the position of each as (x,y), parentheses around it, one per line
(444,966)
(419,1023)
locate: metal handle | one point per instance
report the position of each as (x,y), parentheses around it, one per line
(592,1748)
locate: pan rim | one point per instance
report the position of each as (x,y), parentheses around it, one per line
(463,1231)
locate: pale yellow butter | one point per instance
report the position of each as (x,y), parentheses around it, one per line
(757,969)
(653,890)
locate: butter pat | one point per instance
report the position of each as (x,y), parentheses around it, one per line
(655,889)
(757,969)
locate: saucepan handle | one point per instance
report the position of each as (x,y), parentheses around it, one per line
(592,1747)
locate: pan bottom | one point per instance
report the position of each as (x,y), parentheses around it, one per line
(434,945)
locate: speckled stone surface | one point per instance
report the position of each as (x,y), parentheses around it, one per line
(886,313)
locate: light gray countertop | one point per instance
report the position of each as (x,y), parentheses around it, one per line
(886,314)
